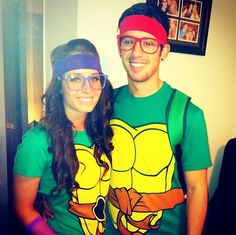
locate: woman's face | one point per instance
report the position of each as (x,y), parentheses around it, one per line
(78,96)
(164,4)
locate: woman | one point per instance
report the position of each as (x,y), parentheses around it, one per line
(195,15)
(173,8)
(164,5)
(67,157)
(187,11)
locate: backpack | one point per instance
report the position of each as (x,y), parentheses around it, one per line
(176,123)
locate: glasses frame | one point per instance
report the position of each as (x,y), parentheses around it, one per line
(136,40)
(86,78)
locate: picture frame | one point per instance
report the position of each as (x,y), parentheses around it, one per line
(189,24)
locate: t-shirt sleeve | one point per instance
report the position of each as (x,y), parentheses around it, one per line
(31,159)
(195,147)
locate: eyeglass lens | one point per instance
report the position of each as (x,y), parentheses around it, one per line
(148,45)
(76,81)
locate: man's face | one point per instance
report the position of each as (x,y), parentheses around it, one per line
(140,66)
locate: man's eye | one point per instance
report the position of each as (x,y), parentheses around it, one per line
(149,43)
(128,41)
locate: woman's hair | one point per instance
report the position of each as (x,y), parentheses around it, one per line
(59,127)
(150,10)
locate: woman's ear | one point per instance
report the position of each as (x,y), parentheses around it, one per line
(165,51)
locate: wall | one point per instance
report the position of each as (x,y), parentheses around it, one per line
(97,21)
(210,79)
(34,58)
(60,23)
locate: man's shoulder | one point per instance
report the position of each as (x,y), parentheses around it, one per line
(192,108)
(119,90)
(174,89)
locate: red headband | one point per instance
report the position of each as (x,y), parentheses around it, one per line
(146,24)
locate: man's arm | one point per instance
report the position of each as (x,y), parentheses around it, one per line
(197,200)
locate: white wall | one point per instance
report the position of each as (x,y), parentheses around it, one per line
(97,21)
(210,79)
(60,23)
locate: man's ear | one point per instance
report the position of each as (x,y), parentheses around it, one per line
(118,47)
(165,51)
(119,52)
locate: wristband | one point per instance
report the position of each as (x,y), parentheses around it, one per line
(29,227)
(39,227)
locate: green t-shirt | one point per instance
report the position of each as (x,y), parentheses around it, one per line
(146,195)
(34,159)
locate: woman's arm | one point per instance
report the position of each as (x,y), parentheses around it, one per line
(24,193)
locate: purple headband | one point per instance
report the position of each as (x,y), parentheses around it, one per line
(77,61)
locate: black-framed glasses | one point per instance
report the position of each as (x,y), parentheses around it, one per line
(76,81)
(148,45)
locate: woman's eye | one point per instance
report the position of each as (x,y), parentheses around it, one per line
(75,78)
(95,78)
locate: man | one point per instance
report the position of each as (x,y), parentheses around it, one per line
(145,196)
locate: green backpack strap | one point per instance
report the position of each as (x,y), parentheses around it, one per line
(176,123)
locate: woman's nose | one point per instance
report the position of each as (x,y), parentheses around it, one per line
(86,87)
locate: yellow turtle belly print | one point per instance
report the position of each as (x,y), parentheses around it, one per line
(142,171)
(88,200)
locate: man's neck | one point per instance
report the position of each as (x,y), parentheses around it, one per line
(146,88)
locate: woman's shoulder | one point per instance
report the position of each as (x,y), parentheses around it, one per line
(37,134)
(32,156)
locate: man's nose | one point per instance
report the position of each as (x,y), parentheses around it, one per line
(137,48)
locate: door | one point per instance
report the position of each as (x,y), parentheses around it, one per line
(21,65)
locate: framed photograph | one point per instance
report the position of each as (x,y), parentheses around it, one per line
(189,23)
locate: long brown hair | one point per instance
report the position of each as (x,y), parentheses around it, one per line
(59,127)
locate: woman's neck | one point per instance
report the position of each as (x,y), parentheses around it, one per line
(78,120)
(79,124)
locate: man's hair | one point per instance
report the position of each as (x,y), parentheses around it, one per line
(152,11)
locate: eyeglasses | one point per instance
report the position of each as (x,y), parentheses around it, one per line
(148,45)
(76,81)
